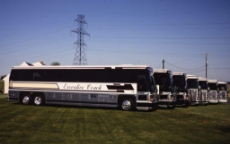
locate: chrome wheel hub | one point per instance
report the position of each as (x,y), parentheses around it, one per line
(25,99)
(126,105)
(37,100)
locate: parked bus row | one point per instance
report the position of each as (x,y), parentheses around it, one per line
(127,87)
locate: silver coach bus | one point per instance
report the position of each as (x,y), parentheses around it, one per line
(166,92)
(193,90)
(127,87)
(203,83)
(213,91)
(180,82)
(223,92)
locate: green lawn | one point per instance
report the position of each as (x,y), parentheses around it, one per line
(64,124)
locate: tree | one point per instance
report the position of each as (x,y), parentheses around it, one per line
(55,63)
(2,77)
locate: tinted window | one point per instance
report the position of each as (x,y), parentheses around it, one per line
(17,75)
(88,75)
(212,86)
(179,81)
(203,84)
(163,80)
(192,83)
(222,86)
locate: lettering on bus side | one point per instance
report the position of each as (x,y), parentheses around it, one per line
(90,87)
(71,87)
(81,87)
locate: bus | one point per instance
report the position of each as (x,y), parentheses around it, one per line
(193,90)
(203,83)
(128,87)
(223,94)
(166,92)
(180,82)
(213,91)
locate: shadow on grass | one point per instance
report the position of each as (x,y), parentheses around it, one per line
(83,107)
(224,129)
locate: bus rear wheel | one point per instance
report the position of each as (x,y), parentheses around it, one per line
(38,100)
(26,99)
(127,104)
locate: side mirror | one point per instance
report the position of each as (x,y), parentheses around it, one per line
(199,87)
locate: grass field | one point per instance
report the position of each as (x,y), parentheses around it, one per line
(63,124)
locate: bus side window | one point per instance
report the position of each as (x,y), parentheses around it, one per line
(38,75)
(142,83)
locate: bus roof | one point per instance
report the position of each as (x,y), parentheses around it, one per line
(212,81)
(202,79)
(84,67)
(191,76)
(178,73)
(220,82)
(161,70)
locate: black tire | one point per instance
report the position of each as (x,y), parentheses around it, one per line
(127,104)
(38,100)
(26,99)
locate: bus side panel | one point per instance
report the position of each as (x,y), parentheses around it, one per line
(13,96)
(107,99)
(69,97)
(53,97)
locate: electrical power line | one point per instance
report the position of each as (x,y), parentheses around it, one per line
(219,68)
(184,68)
(42,35)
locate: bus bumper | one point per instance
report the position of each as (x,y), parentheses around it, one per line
(167,104)
(182,102)
(194,102)
(213,101)
(223,101)
(204,102)
(146,106)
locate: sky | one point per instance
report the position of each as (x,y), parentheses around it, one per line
(144,32)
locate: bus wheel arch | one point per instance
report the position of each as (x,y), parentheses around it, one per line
(126,103)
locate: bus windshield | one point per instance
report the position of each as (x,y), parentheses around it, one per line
(203,84)
(164,80)
(222,86)
(180,82)
(212,86)
(192,83)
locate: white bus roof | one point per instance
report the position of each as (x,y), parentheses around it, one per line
(220,82)
(212,81)
(178,73)
(191,76)
(84,67)
(202,79)
(161,70)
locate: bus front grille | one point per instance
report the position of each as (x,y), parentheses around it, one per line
(223,95)
(204,96)
(213,95)
(193,94)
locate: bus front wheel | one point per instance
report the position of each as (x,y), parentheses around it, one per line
(127,104)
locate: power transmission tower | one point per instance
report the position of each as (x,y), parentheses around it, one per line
(163,64)
(80,56)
